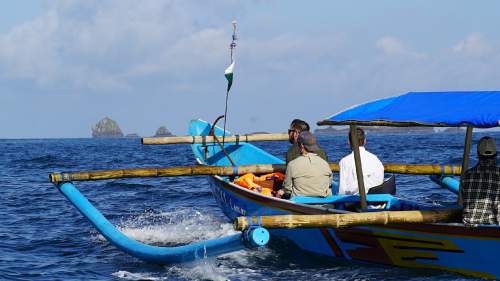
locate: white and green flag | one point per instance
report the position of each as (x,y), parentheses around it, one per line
(229,76)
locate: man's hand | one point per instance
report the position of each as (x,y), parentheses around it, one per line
(280,193)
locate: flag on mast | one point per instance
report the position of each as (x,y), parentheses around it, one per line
(229,76)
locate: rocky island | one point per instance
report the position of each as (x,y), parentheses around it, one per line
(163,132)
(107,128)
(258,133)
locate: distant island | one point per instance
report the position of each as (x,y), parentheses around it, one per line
(107,128)
(132,136)
(258,133)
(331,130)
(163,132)
(453,130)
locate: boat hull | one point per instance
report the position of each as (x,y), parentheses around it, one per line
(450,247)
(435,246)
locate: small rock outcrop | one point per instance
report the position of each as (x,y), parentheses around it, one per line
(258,133)
(163,132)
(107,128)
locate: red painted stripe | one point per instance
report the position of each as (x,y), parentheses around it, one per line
(446,229)
(331,242)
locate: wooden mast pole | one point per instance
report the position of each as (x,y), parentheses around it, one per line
(231,46)
(465,160)
(359,169)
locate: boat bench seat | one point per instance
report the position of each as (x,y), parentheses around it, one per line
(372,199)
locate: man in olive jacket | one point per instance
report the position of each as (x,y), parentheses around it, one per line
(308,174)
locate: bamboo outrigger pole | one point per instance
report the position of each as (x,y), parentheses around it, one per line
(165,172)
(415,169)
(208,139)
(349,219)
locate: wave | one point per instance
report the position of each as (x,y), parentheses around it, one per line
(179,227)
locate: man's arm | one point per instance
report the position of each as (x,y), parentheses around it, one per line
(331,178)
(322,153)
(288,183)
(288,155)
(342,177)
(380,174)
(292,153)
(345,177)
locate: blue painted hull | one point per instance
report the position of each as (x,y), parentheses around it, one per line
(450,247)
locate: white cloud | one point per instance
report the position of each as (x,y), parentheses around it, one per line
(167,54)
(473,45)
(99,45)
(392,46)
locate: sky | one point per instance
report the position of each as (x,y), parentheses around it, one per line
(64,65)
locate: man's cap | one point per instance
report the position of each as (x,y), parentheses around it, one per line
(486,147)
(309,141)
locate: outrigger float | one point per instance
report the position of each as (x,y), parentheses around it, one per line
(380,229)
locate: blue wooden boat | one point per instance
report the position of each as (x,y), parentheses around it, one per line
(442,246)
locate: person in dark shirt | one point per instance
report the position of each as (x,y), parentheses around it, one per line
(481,187)
(296,127)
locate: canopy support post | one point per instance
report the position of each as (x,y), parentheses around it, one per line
(465,160)
(359,170)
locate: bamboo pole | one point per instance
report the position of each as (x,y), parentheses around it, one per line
(350,219)
(165,172)
(421,169)
(209,139)
(415,169)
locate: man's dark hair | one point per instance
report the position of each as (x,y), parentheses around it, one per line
(299,125)
(360,134)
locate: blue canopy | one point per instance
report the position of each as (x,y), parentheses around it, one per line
(478,109)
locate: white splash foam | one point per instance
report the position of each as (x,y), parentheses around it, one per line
(135,276)
(184,226)
(181,226)
(204,269)
(245,258)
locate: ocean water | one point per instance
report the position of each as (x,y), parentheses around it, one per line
(43,237)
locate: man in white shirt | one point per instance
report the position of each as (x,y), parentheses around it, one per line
(373,169)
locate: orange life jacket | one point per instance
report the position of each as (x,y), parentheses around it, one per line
(264,184)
